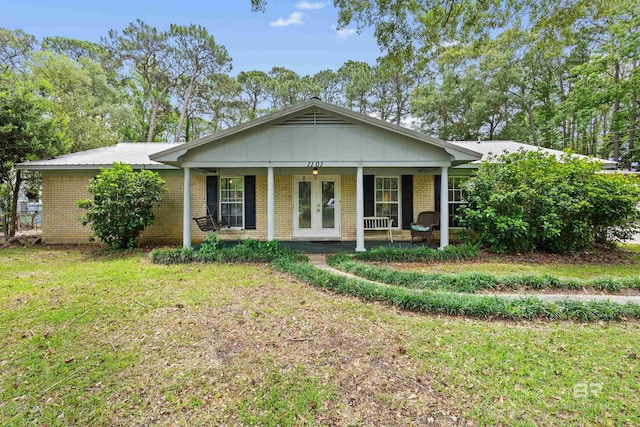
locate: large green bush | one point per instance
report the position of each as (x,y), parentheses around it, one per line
(122,204)
(527,201)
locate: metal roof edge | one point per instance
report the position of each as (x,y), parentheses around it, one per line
(27,166)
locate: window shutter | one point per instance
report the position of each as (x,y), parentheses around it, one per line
(436,190)
(212,196)
(407,201)
(369,195)
(250,202)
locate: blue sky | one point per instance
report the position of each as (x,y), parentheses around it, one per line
(300,35)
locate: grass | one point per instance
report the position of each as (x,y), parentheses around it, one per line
(473,281)
(576,271)
(117,340)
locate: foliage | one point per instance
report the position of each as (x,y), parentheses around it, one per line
(197,56)
(420,254)
(213,249)
(458,304)
(527,201)
(123,204)
(15,49)
(474,281)
(81,97)
(28,131)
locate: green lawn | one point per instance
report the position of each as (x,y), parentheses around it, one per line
(578,271)
(110,340)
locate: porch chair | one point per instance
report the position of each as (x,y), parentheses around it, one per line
(424,226)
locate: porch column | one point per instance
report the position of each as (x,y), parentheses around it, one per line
(271,205)
(360,210)
(186,209)
(444,207)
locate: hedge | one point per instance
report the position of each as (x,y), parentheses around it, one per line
(449,303)
(474,281)
(420,254)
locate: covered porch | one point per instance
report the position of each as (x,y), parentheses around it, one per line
(312,172)
(293,204)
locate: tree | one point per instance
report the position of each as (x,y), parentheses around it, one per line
(445,107)
(15,49)
(527,201)
(75,49)
(395,79)
(328,84)
(255,90)
(284,88)
(356,79)
(198,56)
(152,59)
(28,131)
(81,97)
(122,204)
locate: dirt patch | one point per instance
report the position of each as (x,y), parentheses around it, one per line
(225,355)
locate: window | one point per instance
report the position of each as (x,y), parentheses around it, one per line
(387,200)
(457,198)
(232,201)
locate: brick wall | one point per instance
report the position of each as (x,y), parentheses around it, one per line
(284,206)
(60,212)
(423,200)
(59,209)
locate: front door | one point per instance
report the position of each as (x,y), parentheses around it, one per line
(316,207)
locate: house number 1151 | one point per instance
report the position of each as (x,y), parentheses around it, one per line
(314,164)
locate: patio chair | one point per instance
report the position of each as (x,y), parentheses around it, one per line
(425,225)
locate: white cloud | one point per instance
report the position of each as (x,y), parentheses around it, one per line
(307,5)
(344,33)
(294,19)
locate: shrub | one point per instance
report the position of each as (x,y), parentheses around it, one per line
(172,256)
(420,254)
(122,204)
(473,281)
(212,249)
(527,201)
(428,301)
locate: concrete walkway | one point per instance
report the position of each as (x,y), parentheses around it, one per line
(320,261)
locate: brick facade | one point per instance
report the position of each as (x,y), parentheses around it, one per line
(62,190)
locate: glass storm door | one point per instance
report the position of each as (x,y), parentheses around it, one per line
(316,207)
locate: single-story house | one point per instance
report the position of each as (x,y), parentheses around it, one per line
(312,171)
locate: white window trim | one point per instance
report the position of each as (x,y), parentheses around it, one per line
(221,178)
(399,201)
(455,179)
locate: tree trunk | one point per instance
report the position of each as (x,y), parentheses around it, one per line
(615,121)
(13,226)
(152,120)
(632,131)
(532,124)
(183,113)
